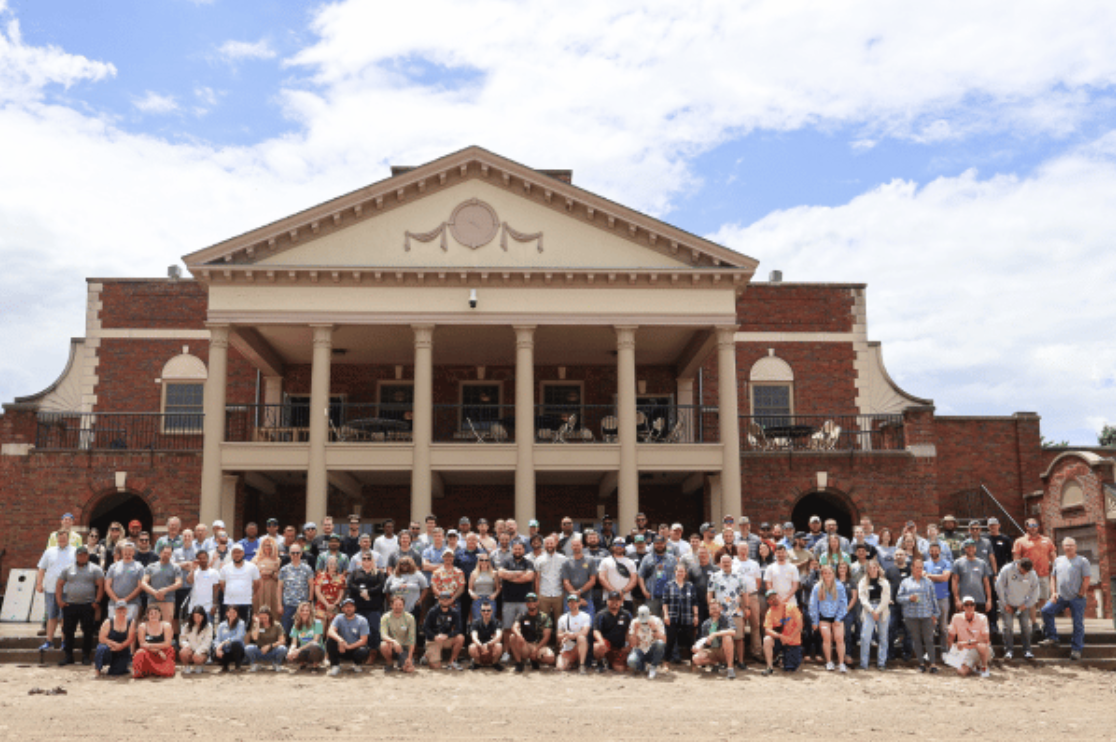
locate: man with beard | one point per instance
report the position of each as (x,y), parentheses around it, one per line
(239,583)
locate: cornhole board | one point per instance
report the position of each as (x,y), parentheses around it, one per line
(19,597)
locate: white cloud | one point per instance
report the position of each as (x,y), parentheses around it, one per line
(990,295)
(206,95)
(152,102)
(237,51)
(26,71)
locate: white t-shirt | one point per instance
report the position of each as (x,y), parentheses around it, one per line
(750,570)
(680,548)
(569,623)
(202,591)
(385,547)
(784,580)
(54,560)
(238,582)
(645,633)
(610,569)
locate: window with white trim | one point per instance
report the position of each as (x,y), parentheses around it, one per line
(771,383)
(183,394)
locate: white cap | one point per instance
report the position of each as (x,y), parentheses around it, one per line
(218,523)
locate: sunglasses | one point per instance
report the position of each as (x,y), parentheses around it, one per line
(1032,525)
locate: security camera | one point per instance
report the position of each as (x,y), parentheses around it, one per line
(472,298)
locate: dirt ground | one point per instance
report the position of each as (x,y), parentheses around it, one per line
(1051,703)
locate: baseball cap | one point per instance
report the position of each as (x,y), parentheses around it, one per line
(571,598)
(949,517)
(801,535)
(993,522)
(238,546)
(334,537)
(968,599)
(638,539)
(532,523)
(676,527)
(135,523)
(968,542)
(788,526)
(770,594)
(530,597)
(81,550)
(68,515)
(659,539)
(445,595)
(744,519)
(618,542)
(974,524)
(764,525)
(120,604)
(643,614)
(615,595)
(309,525)
(452,532)
(216,524)
(815,519)
(273,521)
(464,519)
(347,601)
(705,527)
(728,519)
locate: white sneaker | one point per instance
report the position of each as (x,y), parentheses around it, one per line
(651,672)
(1028,655)
(278,668)
(830,666)
(358,668)
(254,668)
(335,671)
(984,673)
(841,667)
(1007,655)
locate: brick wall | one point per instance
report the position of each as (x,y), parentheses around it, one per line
(788,307)
(1002,453)
(153,303)
(824,377)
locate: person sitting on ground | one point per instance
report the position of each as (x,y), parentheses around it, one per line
(398,636)
(114,645)
(530,636)
(155,657)
(1018,588)
(487,646)
(716,645)
(610,634)
(782,634)
(266,644)
(573,636)
(306,638)
(828,605)
(968,631)
(648,640)
(228,645)
(443,631)
(347,638)
(195,642)
(875,601)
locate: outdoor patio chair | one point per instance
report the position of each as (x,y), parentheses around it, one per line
(610,426)
(478,435)
(757,439)
(818,440)
(676,433)
(653,431)
(566,430)
(498,432)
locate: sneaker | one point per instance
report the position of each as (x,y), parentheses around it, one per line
(881,667)
(933,669)
(454,666)
(498,667)
(1048,642)
(768,671)
(389,667)
(1075,655)
(519,667)
(652,672)
(65,661)
(984,673)
(731,674)
(254,668)
(921,667)
(277,668)
(534,664)
(473,665)
(601,667)
(1007,655)
(582,670)
(842,668)
(1028,655)
(830,667)
(46,645)
(358,668)
(863,665)
(335,671)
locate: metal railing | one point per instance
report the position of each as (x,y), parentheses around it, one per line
(821,433)
(118,431)
(348,423)
(474,423)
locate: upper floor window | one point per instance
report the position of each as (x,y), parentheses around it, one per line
(772,386)
(480,403)
(183,395)
(396,400)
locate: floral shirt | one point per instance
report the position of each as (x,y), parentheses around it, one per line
(727,589)
(447,580)
(296,583)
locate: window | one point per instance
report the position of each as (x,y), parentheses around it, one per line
(1073,496)
(396,400)
(560,398)
(1087,546)
(182,407)
(298,410)
(772,383)
(480,404)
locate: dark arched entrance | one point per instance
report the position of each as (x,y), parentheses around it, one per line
(121,507)
(825,505)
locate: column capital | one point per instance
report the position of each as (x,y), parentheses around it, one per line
(323,336)
(726,335)
(424,336)
(524,336)
(625,336)
(218,334)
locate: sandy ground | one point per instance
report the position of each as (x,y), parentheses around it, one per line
(1054,702)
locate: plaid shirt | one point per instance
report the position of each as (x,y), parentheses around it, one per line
(927,605)
(679,600)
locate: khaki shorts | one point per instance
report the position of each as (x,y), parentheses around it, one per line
(1044,590)
(717,655)
(738,622)
(436,649)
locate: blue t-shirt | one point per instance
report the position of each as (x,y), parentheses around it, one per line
(941,589)
(351,629)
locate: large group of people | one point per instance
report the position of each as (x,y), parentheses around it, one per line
(596,600)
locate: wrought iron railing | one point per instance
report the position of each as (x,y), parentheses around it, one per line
(474,423)
(348,423)
(120,431)
(821,433)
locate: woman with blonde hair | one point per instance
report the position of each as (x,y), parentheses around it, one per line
(484,585)
(412,585)
(306,639)
(828,605)
(156,653)
(268,563)
(874,593)
(329,589)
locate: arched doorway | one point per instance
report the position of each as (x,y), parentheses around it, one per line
(121,507)
(825,505)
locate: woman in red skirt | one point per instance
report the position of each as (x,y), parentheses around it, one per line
(156,654)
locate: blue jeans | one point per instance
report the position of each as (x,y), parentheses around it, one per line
(1077,609)
(867,627)
(638,659)
(275,655)
(288,618)
(852,629)
(897,627)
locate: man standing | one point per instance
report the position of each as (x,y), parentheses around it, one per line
(968,631)
(67,525)
(617,573)
(443,631)
(749,538)
(952,536)
(782,577)
(173,537)
(1001,549)
(1042,553)
(972,576)
(608,534)
(940,572)
(655,571)
(566,536)
(80,587)
(239,583)
(548,579)
(517,576)
(221,553)
(333,550)
(350,545)
(800,555)
(749,571)
(53,561)
(1018,589)
(160,581)
(347,638)
(830,530)
(983,546)
(816,535)
(677,544)
(514,535)
(251,541)
(1069,587)
(728,588)
(579,576)
(573,636)
(204,581)
(124,580)
(387,543)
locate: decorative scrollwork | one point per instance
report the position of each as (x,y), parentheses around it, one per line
(426,237)
(519,237)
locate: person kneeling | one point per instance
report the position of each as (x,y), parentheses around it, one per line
(398,635)
(715,645)
(443,631)
(347,638)
(648,640)
(267,645)
(487,647)
(782,634)
(573,636)
(530,636)
(968,633)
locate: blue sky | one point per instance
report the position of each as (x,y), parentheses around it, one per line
(969,184)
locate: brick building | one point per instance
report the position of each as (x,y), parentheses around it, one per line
(374,354)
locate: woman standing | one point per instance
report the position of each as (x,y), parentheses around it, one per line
(156,653)
(885,549)
(920,608)
(306,639)
(114,646)
(484,584)
(412,585)
(329,589)
(267,561)
(195,641)
(828,604)
(266,641)
(852,611)
(874,593)
(833,554)
(229,644)
(765,555)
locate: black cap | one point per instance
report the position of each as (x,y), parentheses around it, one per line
(273,521)
(802,535)
(615,595)
(659,538)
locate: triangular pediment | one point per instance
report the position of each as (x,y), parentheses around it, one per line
(470,210)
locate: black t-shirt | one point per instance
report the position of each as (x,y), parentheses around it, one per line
(895,576)
(516,592)
(350,545)
(875,592)
(531,627)
(484,631)
(614,628)
(1001,548)
(373,584)
(147,557)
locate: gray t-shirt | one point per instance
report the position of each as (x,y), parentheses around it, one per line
(970,578)
(351,629)
(126,577)
(163,575)
(1069,574)
(578,571)
(79,584)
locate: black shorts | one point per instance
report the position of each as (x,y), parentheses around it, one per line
(823,619)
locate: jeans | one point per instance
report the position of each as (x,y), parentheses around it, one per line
(852,630)
(1077,609)
(1024,617)
(373,619)
(638,659)
(867,627)
(943,624)
(275,655)
(898,626)
(358,656)
(288,618)
(233,652)
(680,635)
(117,661)
(922,633)
(72,615)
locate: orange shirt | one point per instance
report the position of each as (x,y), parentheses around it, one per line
(788,623)
(1039,550)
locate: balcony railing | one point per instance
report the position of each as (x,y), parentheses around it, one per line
(474,423)
(119,431)
(348,423)
(821,433)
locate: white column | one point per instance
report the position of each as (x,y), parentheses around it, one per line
(317,482)
(273,390)
(229,483)
(213,426)
(524,423)
(686,403)
(423,424)
(628,494)
(728,411)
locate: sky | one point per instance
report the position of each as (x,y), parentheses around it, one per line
(958,157)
